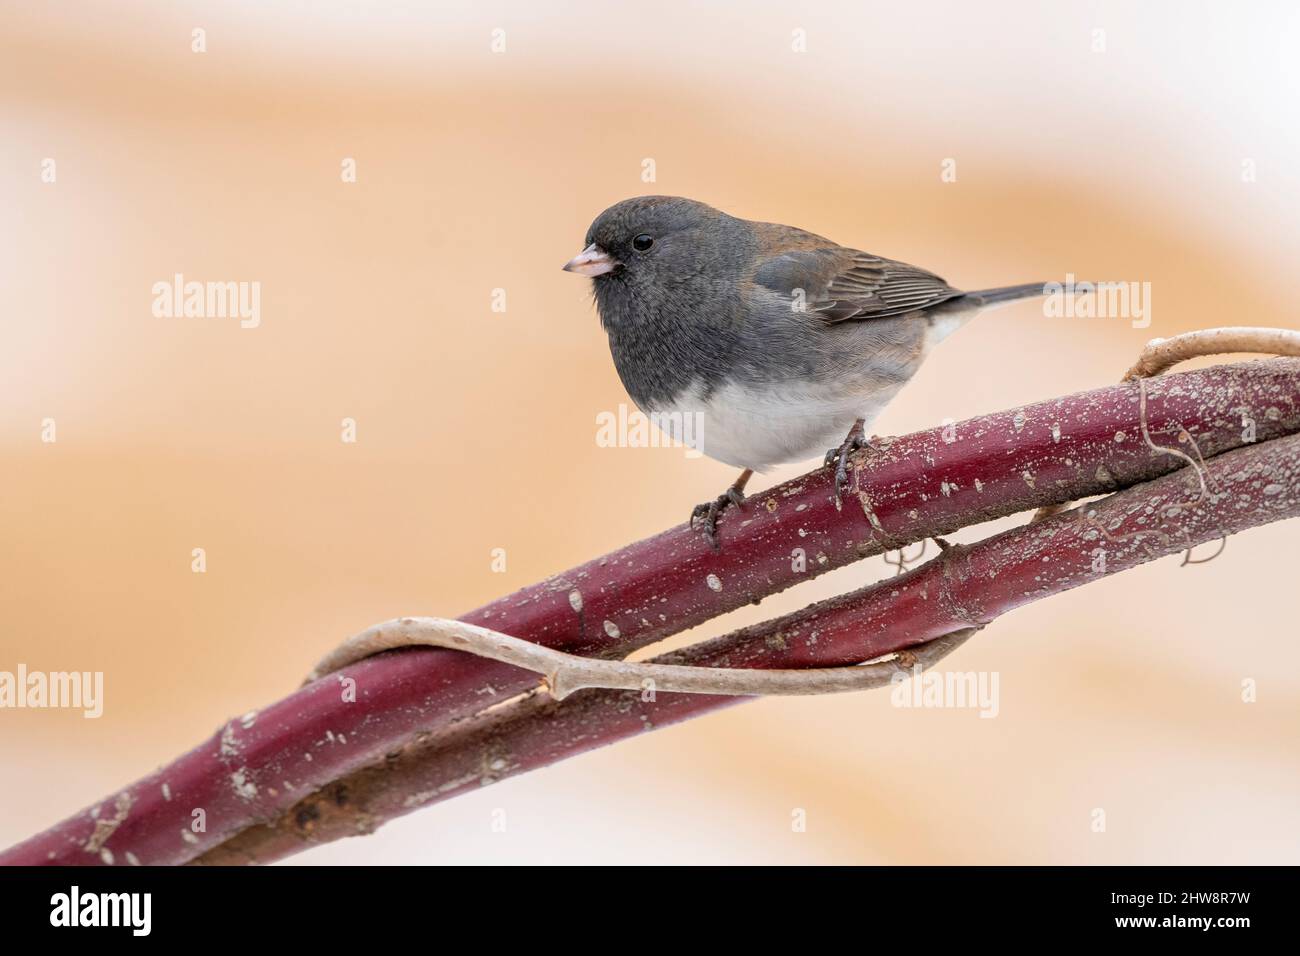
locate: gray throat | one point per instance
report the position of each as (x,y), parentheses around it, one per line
(665,341)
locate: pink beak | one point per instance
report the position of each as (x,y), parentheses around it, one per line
(592,261)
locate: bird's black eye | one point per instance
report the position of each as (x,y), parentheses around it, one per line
(642,242)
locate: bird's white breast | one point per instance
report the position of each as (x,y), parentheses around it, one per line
(757,428)
(752,426)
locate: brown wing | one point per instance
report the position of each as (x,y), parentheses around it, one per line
(842,285)
(872,288)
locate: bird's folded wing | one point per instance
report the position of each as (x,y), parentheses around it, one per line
(841,285)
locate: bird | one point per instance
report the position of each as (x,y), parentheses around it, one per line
(760,343)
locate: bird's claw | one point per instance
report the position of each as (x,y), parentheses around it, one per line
(707,513)
(839,457)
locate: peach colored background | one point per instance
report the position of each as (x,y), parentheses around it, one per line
(476,429)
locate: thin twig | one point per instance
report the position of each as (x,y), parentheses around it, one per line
(1188,559)
(904,562)
(1197,464)
(1163,354)
(566,673)
(1160,355)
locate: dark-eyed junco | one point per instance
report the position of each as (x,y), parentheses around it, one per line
(761,343)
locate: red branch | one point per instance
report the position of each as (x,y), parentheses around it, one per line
(964,587)
(924,484)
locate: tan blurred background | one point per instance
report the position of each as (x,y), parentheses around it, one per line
(476,429)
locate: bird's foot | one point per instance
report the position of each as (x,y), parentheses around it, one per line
(706,515)
(839,457)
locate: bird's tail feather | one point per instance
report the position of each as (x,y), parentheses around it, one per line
(1007,293)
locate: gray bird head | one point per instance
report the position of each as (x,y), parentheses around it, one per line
(657,248)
